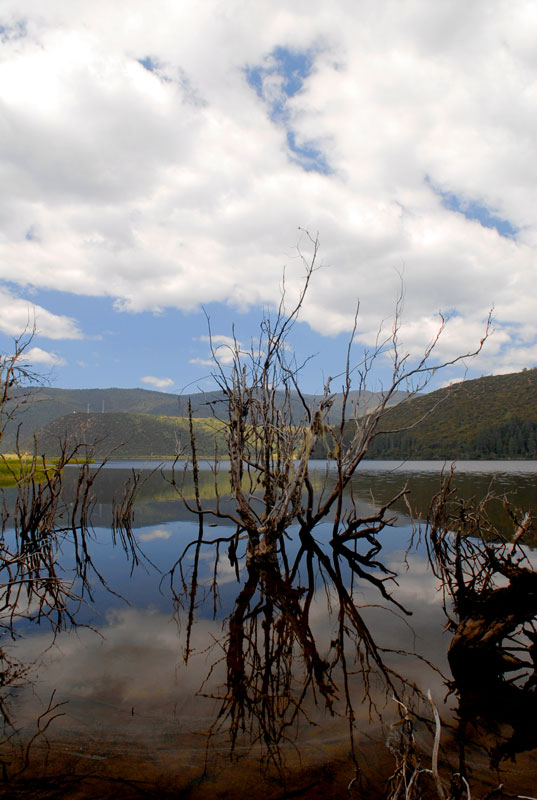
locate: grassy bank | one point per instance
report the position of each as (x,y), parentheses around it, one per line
(15,468)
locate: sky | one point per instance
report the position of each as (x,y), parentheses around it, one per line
(167,163)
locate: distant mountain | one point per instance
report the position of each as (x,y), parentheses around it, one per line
(491,417)
(487,418)
(39,406)
(125,434)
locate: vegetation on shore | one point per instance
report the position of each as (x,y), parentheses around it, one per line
(15,468)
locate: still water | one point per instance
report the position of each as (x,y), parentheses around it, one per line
(129,716)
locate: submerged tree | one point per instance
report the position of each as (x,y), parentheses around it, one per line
(273,663)
(302,547)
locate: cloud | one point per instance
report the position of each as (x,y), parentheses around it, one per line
(18,316)
(36,355)
(160,383)
(156,533)
(220,340)
(181,182)
(204,362)
(224,349)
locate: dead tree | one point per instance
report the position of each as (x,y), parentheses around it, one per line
(274,497)
(16,375)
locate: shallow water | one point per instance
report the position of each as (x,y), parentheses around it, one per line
(135,717)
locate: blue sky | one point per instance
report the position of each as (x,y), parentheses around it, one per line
(167,351)
(156,166)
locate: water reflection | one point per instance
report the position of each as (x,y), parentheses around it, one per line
(374,484)
(267,656)
(492,590)
(133,687)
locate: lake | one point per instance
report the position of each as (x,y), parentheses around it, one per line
(188,683)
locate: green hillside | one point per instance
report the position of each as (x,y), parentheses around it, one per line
(36,407)
(131,435)
(487,418)
(491,417)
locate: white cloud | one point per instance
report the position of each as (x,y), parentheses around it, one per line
(220,340)
(159,383)
(175,187)
(204,362)
(155,534)
(36,355)
(18,316)
(224,348)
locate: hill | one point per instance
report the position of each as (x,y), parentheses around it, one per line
(39,406)
(130,435)
(486,418)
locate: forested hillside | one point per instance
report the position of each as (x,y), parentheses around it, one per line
(490,417)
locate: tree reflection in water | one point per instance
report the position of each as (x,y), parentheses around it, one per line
(490,588)
(293,539)
(40,522)
(272,433)
(274,660)
(275,668)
